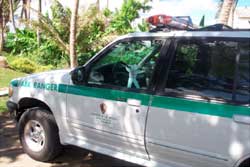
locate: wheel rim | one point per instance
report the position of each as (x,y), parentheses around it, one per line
(34,135)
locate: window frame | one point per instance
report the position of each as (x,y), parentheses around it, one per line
(150,89)
(161,84)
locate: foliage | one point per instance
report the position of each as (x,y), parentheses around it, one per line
(23,65)
(6,11)
(83,58)
(23,41)
(98,28)
(90,31)
(107,13)
(61,20)
(129,53)
(6,75)
(95,29)
(121,21)
(50,53)
(187,54)
(40,68)
(144,26)
(51,31)
(26,65)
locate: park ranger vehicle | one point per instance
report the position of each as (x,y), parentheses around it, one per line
(174,99)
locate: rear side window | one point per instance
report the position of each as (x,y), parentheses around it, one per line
(209,70)
(243,74)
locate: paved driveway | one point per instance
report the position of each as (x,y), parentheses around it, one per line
(12,155)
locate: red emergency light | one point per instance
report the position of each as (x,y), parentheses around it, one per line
(170,22)
(160,19)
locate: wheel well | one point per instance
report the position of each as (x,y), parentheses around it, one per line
(26,103)
(245,163)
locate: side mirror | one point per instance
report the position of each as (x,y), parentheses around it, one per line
(77,75)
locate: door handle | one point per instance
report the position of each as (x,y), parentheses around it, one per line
(134,102)
(242,119)
(120,99)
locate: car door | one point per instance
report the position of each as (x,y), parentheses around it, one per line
(192,120)
(109,110)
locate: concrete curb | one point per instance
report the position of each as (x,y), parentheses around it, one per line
(4,92)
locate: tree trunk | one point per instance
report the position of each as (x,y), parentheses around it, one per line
(39,22)
(72,39)
(28,9)
(12,14)
(24,10)
(98,5)
(226,8)
(1,26)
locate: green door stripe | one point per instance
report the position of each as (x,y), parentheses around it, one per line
(216,109)
(178,104)
(222,110)
(109,94)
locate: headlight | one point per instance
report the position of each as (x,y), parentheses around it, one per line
(10,91)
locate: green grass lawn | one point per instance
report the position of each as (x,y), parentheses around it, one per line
(6,75)
(3,104)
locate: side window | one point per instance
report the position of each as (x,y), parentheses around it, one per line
(242,93)
(207,70)
(127,64)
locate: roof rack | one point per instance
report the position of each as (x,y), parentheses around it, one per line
(218,27)
(215,27)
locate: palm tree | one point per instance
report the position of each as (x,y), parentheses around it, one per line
(226,9)
(72,39)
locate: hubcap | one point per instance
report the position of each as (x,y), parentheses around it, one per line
(34,135)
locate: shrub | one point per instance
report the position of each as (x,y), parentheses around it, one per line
(23,65)
(50,53)
(26,65)
(44,68)
(22,41)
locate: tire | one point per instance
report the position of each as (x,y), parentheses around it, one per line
(38,134)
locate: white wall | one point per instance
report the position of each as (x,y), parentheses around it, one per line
(241,18)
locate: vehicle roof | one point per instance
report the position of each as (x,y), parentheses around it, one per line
(232,34)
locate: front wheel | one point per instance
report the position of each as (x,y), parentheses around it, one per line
(38,134)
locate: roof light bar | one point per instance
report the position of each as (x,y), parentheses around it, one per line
(170,22)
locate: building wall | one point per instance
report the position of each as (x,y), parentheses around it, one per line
(241,18)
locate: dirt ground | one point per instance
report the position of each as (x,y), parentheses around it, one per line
(12,155)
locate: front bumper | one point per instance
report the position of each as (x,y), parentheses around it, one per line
(12,108)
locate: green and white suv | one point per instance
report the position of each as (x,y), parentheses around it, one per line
(176,99)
